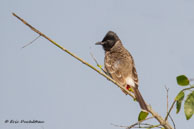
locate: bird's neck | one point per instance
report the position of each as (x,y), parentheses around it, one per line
(117,48)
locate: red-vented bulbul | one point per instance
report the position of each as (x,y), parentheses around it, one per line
(120,66)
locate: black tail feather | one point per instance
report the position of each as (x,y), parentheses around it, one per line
(140,99)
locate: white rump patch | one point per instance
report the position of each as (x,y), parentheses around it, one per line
(130,81)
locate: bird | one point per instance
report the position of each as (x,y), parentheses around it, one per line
(120,66)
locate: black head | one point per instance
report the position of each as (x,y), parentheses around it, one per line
(109,41)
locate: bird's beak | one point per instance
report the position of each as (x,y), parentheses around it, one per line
(99,43)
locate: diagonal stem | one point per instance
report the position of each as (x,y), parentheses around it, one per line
(73,55)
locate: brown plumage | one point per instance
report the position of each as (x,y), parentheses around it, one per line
(119,64)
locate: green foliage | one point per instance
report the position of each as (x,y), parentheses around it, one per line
(189,106)
(182,80)
(142,115)
(179,98)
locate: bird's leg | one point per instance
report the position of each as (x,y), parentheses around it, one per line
(128,87)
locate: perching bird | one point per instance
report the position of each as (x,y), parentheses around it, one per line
(119,64)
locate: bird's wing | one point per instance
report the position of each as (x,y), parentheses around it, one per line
(135,76)
(113,67)
(133,72)
(122,70)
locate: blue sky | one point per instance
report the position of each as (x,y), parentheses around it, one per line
(41,82)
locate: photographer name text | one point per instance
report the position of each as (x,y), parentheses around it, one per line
(24,121)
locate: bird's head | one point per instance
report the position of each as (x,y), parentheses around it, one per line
(109,40)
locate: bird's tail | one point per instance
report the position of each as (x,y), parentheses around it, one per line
(140,99)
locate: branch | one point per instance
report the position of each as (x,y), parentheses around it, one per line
(162,122)
(191,87)
(31,42)
(73,55)
(167,90)
(100,66)
(139,122)
(141,125)
(172,122)
(168,113)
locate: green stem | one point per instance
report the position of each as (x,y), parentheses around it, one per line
(168,113)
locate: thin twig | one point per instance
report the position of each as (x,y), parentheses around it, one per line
(153,126)
(172,121)
(167,89)
(168,113)
(147,126)
(138,126)
(97,63)
(31,41)
(167,92)
(191,87)
(122,126)
(131,126)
